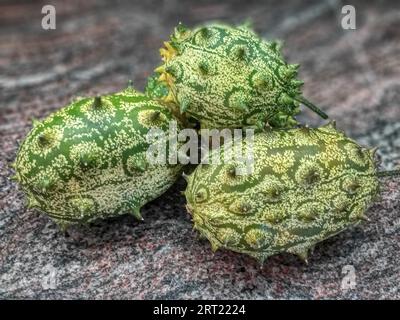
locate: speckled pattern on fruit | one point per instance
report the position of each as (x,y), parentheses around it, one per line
(88,160)
(353,75)
(307,185)
(227,76)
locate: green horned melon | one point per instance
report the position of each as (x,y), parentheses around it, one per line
(88,160)
(306,186)
(228,77)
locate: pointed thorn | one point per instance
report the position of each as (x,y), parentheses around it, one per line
(32,203)
(44,140)
(140,164)
(184,106)
(214,246)
(232,171)
(35,122)
(171,70)
(181,28)
(162,77)
(297,83)
(260,84)
(242,106)
(185,176)
(303,255)
(201,236)
(78,98)
(203,67)
(261,260)
(155,115)
(136,213)
(63,225)
(365,218)
(240,53)
(285,99)
(245,207)
(289,74)
(373,151)
(168,46)
(44,185)
(295,66)
(160,69)
(169,98)
(164,54)
(97,102)
(246,25)
(189,209)
(276,46)
(205,33)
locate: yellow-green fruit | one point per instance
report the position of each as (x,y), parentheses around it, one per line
(88,160)
(228,77)
(306,185)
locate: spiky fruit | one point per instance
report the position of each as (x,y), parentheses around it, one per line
(228,77)
(88,160)
(307,185)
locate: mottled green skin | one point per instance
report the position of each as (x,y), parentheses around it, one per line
(228,77)
(88,160)
(156,89)
(307,185)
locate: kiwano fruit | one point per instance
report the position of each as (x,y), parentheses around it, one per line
(88,160)
(306,186)
(228,77)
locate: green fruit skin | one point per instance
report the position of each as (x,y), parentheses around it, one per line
(88,160)
(155,89)
(307,185)
(228,77)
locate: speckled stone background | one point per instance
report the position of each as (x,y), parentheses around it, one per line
(96,48)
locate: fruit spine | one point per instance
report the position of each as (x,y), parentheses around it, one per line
(228,77)
(88,160)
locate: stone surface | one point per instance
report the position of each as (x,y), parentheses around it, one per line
(97,46)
